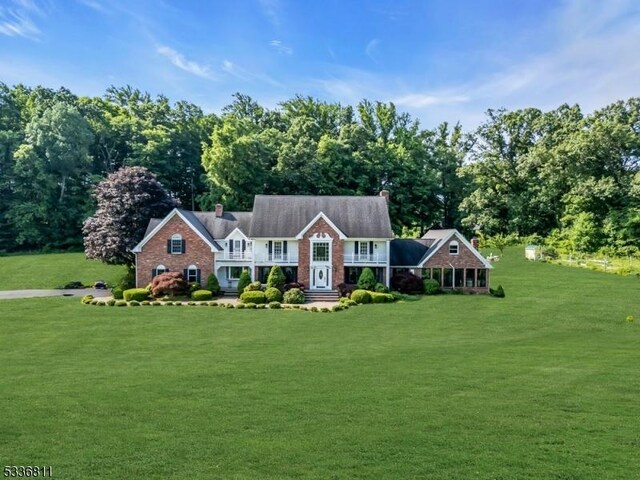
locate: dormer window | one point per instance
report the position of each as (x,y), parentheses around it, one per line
(453,248)
(176,244)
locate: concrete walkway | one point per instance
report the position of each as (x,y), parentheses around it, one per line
(80,292)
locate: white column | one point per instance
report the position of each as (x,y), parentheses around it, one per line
(388,264)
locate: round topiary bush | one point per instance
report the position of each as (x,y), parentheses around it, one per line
(431,286)
(111,302)
(117,293)
(138,294)
(272,294)
(250,305)
(145,303)
(202,295)
(134,303)
(381,288)
(86,299)
(275,305)
(361,296)
(294,295)
(253,297)
(121,303)
(213,304)
(367,280)
(276,278)
(156,304)
(240,306)
(253,287)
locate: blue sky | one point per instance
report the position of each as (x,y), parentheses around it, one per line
(437,59)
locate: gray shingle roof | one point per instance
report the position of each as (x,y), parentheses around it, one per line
(220,227)
(407,252)
(286,215)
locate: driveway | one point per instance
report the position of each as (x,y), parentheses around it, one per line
(80,292)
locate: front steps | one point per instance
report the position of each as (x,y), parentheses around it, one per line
(321,296)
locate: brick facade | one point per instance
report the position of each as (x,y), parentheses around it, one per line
(154,252)
(464,259)
(337,254)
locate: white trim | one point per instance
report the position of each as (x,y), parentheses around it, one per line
(341,235)
(464,241)
(388,272)
(234,231)
(165,220)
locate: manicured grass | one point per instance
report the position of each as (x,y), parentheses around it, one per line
(543,384)
(52,270)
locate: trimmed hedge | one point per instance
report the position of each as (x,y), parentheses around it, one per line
(121,303)
(272,294)
(253,297)
(138,294)
(202,295)
(381,288)
(294,296)
(431,286)
(276,278)
(117,293)
(275,305)
(86,299)
(377,297)
(361,296)
(253,287)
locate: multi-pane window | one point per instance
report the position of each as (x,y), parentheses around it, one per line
(176,243)
(192,274)
(364,249)
(453,248)
(482,277)
(160,269)
(321,252)
(470,278)
(447,277)
(277,250)
(459,277)
(233,273)
(237,246)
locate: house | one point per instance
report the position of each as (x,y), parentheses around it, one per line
(320,241)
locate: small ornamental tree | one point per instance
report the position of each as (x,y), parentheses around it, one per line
(212,284)
(276,278)
(367,280)
(127,200)
(168,283)
(243,281)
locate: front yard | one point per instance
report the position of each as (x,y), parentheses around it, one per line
(541,384)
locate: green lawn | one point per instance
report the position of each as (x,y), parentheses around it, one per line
(543,384)
(52,270)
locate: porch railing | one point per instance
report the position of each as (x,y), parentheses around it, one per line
(282,258)
(369,258)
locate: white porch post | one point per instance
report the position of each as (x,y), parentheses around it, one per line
(388,264)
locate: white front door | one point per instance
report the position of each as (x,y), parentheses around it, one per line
(321,277)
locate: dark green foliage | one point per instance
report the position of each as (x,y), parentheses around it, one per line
(250,305)
(276,278)
(253,287)
(361,296)
(145,303)
(274,305)
(253,297)
(201,295)
(431,286)
(240,306)
(272,294)
(498,292)
(128,279)
(407,283)
(244,281)
(381,288)
(117,293)
(111,302)
(367,280)
(138,294)
(213,285)
(294,296)
(337,308)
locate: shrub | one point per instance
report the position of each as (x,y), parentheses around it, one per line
(261,306)
(345,289)
(250,305)
(169,283)
(101,304)
(192,304)
(381,288)
(201,295)
(253,287)
(178,304)
(117,293)
(367,280)
(498,292)
(193,286)
(134,303)
(407,283)
(121,303)
(138,294)
(337,308)
(111,302)
(291,285)
(276,278)
(325,309)
(128,280)
(348,302)
(361,296)
(86,299)
(377,297)
(240,305)
(73,285)
(156,304)
(253,297)
(168,303)
(145,302)
(313,309)
(244,281)
(274,305)
(213,304)
(295,295)
(94,301)
(431,286)
(213,285)
(272,294)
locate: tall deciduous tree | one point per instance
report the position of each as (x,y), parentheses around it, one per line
(127,200)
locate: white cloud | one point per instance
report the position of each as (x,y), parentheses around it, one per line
(179,60)
(421,100)
(16,19)
(281,48)
(247,76)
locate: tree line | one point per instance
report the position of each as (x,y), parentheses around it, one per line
(563,175)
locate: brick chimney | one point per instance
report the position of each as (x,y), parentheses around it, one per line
(475,242)
(219,210)
(385,194)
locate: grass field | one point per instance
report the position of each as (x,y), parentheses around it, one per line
(52,270)
(543,384)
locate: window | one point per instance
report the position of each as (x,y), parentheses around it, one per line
(192,274)
(453,248)
(176,244)
(160,269)
(482,277)
(352,274)
(233,273)
(447,278)
(277,250)
(470,280)
(426,273)
(364,249)
(237,246)
(459,277)
(321,252)
(437,275)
